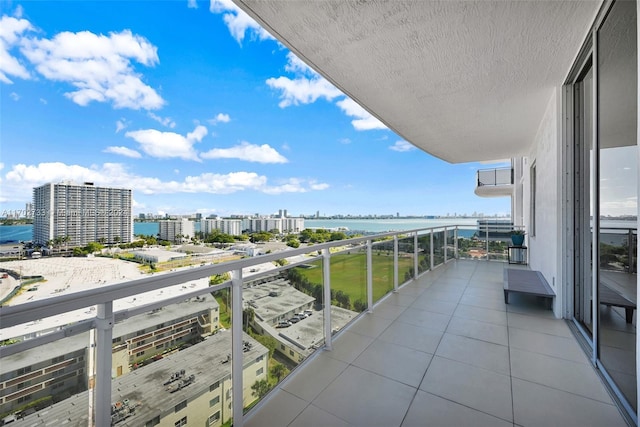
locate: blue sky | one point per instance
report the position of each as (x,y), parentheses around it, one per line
(197,109)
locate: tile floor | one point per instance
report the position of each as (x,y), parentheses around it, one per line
(446,351)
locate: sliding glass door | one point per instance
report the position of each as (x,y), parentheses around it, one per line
(617,195)
(604,187)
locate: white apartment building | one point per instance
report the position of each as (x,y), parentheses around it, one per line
(83,213)
(283,225)
(176,231)
(232,227)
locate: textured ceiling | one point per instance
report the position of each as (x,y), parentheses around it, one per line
(463,81)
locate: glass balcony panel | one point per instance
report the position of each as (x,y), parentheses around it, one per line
(438,247)
(451,243)
(172,364)
(47,378)
(348,285)
(406,256)
(424,252)
(383,272)
(308,278)
(285,310)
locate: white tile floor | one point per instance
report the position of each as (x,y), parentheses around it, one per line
(446,351)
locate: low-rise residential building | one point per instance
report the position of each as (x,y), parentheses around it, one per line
(275,301)
(188,387)
(33,374)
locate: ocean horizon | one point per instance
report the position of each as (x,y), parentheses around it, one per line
(17,233)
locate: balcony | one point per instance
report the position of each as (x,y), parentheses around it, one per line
(496,182)
(446,350)
(425,338)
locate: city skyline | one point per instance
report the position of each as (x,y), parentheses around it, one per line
(96,93)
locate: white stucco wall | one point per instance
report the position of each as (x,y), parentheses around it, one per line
(545,154)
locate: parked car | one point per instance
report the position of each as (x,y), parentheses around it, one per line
(283,324)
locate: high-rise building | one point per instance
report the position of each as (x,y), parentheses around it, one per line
(176,230)
(81,213)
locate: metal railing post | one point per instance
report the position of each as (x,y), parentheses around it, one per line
(326,279)
(415,255)
(630,252)
(369,276)
(236,348)
(395,263)
(431,250)
(455,243)
(104,337)
(446,243)
(487,237)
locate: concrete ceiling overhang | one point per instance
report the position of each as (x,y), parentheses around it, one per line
(461,80)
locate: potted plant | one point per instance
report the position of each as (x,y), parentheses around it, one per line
(517,237)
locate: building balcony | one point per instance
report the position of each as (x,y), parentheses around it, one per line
(425,338)
(496,182)
(446,350)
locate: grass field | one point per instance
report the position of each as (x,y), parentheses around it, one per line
(349,274)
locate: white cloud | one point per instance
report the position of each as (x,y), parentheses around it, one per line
(402,146)
(43,101)
(296,185)
(248,152)
(344,141)
(363,120)
(238,21)
(302,90)
(168,144)
(219,118)
(20,180)
(11,30)
(14,96)
(305,88)
(121,125)
(192,4)
(296,65)
(98,66)
(123,151)
(166,121)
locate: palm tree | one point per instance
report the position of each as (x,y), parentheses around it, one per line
(260,388)
(278,371)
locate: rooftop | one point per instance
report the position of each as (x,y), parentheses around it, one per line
(146,385)
(76,342)
(446,350)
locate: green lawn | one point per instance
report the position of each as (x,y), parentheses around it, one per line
(349,275)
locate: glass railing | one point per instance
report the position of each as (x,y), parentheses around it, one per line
(202,344)
(498,176)
(489,240)
(619,249)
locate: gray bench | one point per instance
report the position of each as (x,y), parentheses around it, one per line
(527,282)
(609,297)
